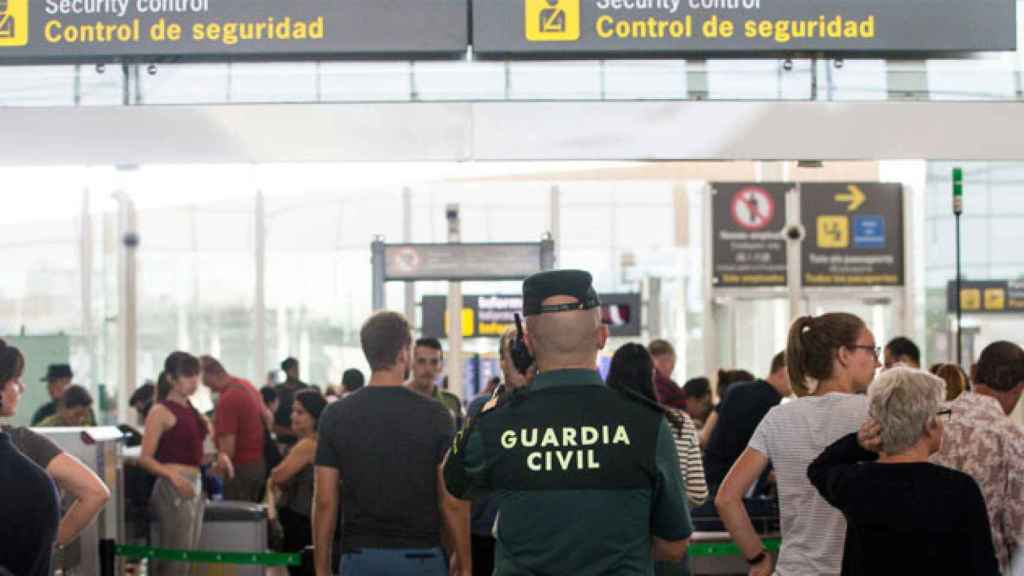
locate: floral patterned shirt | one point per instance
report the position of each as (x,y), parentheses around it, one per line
(981,441)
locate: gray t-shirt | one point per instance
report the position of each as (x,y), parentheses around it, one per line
(792,435)
(387,444)
(36,447)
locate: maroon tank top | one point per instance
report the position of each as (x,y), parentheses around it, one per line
(182,444)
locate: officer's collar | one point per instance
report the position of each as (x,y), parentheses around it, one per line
(572,377)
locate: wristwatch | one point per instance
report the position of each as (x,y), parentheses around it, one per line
(757,559)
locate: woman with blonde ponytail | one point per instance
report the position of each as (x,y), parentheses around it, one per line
(831,360)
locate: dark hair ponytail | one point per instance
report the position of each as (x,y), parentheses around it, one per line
(163,387)
(178,365)
(632,373)
(812,346)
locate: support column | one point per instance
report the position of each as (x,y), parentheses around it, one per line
(127,302)
(85,245)
(410,287)
(555,220)
(454,310)
(712,359)
(794,264)
(260,311)
(378,263)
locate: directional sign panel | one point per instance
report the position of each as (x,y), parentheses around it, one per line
(987,296)
(464,261)
(490,316)
(678,28)
(854,234)
(57,31)
(748,248)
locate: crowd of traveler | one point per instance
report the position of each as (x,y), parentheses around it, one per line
(872,465)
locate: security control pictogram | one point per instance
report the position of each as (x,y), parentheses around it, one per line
(552,20)
(833,232)
(995,299)
(13,23)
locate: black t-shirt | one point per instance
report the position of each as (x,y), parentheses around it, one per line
(739,413)
(30,512)
(387,443)
(914,518)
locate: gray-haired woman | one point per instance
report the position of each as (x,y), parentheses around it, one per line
(904,515)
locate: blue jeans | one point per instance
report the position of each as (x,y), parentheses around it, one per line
(385,562)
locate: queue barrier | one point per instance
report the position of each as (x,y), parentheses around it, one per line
(109,550)
(704,549)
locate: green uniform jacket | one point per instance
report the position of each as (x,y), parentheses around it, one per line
(584,477)
(452,403)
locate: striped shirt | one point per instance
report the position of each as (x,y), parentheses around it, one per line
(691,463)
(792,435)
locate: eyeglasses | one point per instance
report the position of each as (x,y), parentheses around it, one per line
(876,350)
(948,413)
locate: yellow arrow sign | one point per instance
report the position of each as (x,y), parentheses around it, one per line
(854,197)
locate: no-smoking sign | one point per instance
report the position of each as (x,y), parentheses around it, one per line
(752,208)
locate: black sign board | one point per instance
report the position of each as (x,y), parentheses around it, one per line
(748,249)
(987,296)
(491,316)
(53,31)
(494,261)
(676,28)
(854,234)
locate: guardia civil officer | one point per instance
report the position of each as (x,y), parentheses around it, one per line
(587,479)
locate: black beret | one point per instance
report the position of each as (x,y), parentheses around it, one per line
(541,286)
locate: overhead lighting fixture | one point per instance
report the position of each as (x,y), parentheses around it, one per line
(810,164)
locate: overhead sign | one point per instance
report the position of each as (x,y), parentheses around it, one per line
(491,316)
(748,248)
(632,28)
(95,30)
(466,261)
(854,234)
(987,296)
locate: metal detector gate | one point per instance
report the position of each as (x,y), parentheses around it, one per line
(456,262)
(780,250)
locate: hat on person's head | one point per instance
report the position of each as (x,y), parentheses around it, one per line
(57,371)
(573,283)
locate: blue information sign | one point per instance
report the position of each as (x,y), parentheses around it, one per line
(869,231)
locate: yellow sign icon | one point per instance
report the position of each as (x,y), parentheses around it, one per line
(995,299)
(970,299)
(468,322)
(13,23)
(552,20)
(854,198)
(833,232)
